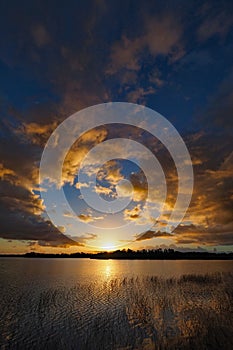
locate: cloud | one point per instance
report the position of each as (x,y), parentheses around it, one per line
(110,172)
(37,133)
(57,243)
(133,214)
(210,210)
(162,36)
(219,235)
(17,223)
(215,24)
(20,217)
(68,214)
(124,55)
(6,173)
(89,217)
(20,207)
(106,191)
(138,95)
(155,77)
(40,35)
(225,171)
(79,150)
(220,107)
(212,200)
(214,235)
(152,234)
(79,185)
(56,75)
(140,186)
(85,218)
(84,239)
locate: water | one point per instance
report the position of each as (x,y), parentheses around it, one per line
(65,270)
(104,304)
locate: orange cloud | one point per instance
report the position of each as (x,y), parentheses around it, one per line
(79,150)
(133,214)
(5,173)
(110,172)
(89,217)
(37,133)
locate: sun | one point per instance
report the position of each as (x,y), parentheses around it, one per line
(108,247)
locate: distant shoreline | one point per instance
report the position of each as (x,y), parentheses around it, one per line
(167,254)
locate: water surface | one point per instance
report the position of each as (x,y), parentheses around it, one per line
(114,304)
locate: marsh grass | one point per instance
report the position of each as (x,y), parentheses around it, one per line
(190,312)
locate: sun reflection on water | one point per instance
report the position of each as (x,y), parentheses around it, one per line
(109,268)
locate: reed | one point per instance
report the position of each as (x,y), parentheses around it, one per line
(190,312)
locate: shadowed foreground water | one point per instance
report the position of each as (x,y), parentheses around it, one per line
(55,305)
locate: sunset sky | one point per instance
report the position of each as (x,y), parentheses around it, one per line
(59,57)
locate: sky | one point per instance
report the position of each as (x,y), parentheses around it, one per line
(58,58)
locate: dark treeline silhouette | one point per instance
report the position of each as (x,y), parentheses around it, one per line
(154,254)
(169,254)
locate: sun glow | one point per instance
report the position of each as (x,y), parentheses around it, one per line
(109,247)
